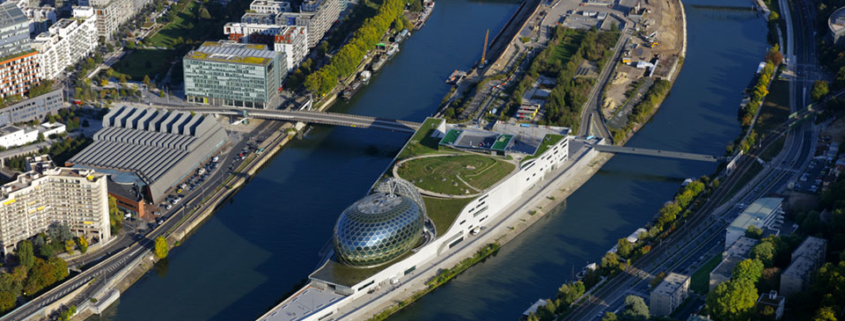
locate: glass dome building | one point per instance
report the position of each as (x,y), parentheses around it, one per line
(378,228)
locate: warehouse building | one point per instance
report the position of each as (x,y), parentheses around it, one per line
(157,148)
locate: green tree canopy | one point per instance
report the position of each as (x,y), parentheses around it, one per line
(820,89)
(754,232)
(635,309)
(765,252)
(748,269)
(732,300)
(161,248)
(26,254)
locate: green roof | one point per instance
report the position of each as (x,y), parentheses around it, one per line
(451,136)
(502,142)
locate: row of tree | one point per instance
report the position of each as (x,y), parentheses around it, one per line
(60,151)
(346,60)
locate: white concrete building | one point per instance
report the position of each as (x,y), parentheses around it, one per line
(764,213)
(40,18)
(48,195)
(667,296)
(270,6)
(291,40)
(325,294)
(112,13)
(66,43)
(11,136)
(48,129)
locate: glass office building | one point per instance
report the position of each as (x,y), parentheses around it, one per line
(234,74)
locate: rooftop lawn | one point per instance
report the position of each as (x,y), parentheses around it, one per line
(451,136)
(422,142)
(444,211)
(441,174)
(549,140)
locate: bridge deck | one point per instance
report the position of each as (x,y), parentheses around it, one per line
(656,153)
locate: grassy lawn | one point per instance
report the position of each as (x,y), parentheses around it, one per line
(567,46)
(181,27)
(444,211)
(143,62)
(775,110)
(549,140)
(440,174)
(700,282)
(422,142)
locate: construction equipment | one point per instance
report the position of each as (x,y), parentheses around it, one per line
(654,44)
(484,52)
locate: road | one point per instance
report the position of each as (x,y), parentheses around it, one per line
(110,266)
(688,247)
(591,111)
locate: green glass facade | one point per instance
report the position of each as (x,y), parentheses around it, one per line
(234,75)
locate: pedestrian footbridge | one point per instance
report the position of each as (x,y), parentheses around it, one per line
(655,153)
(312,117)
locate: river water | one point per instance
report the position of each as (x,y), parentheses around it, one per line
(244,258)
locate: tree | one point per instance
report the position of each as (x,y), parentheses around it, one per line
(416,6)
(748,269)
(825,314)
(122,79)
(623,247)
(7,301)
(25,253)
(161,248)
(635,309)
(568,293)
(68,313)
(82,243)
(69,246)
(733,300)
(146,80)
(754,232)
(609,316)
(820,89)
(773,16)
(115,217)
(765,252)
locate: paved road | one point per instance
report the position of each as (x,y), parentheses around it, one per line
(591,111)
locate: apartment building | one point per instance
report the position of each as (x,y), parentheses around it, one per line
(19,66)
(112,13)
(66,42)
(47,195)
(40,17)
(270,6)
(291,40)
(808,257)
(669,294)
(234,74)
(317,16)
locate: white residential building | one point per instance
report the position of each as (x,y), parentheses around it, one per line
(112,13)
(667,296)
(47,195)
(11,136)
(291,40)
(40,18)
(808,257)
(270,6)
(48,129)
(67,42)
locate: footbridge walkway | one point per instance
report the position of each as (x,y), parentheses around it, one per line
(656,153)
(312,117)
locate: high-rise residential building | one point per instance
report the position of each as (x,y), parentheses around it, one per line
(667,296)
(67,42)
(47,195)
(234,74)
(112,13)
(291,40)
(19,67)
(316,15)
(40,17)
(270,6)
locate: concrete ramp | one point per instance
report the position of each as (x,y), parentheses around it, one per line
(655,153)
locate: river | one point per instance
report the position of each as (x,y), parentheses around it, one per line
(260,246)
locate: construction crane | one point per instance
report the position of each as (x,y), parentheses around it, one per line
(484,51)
